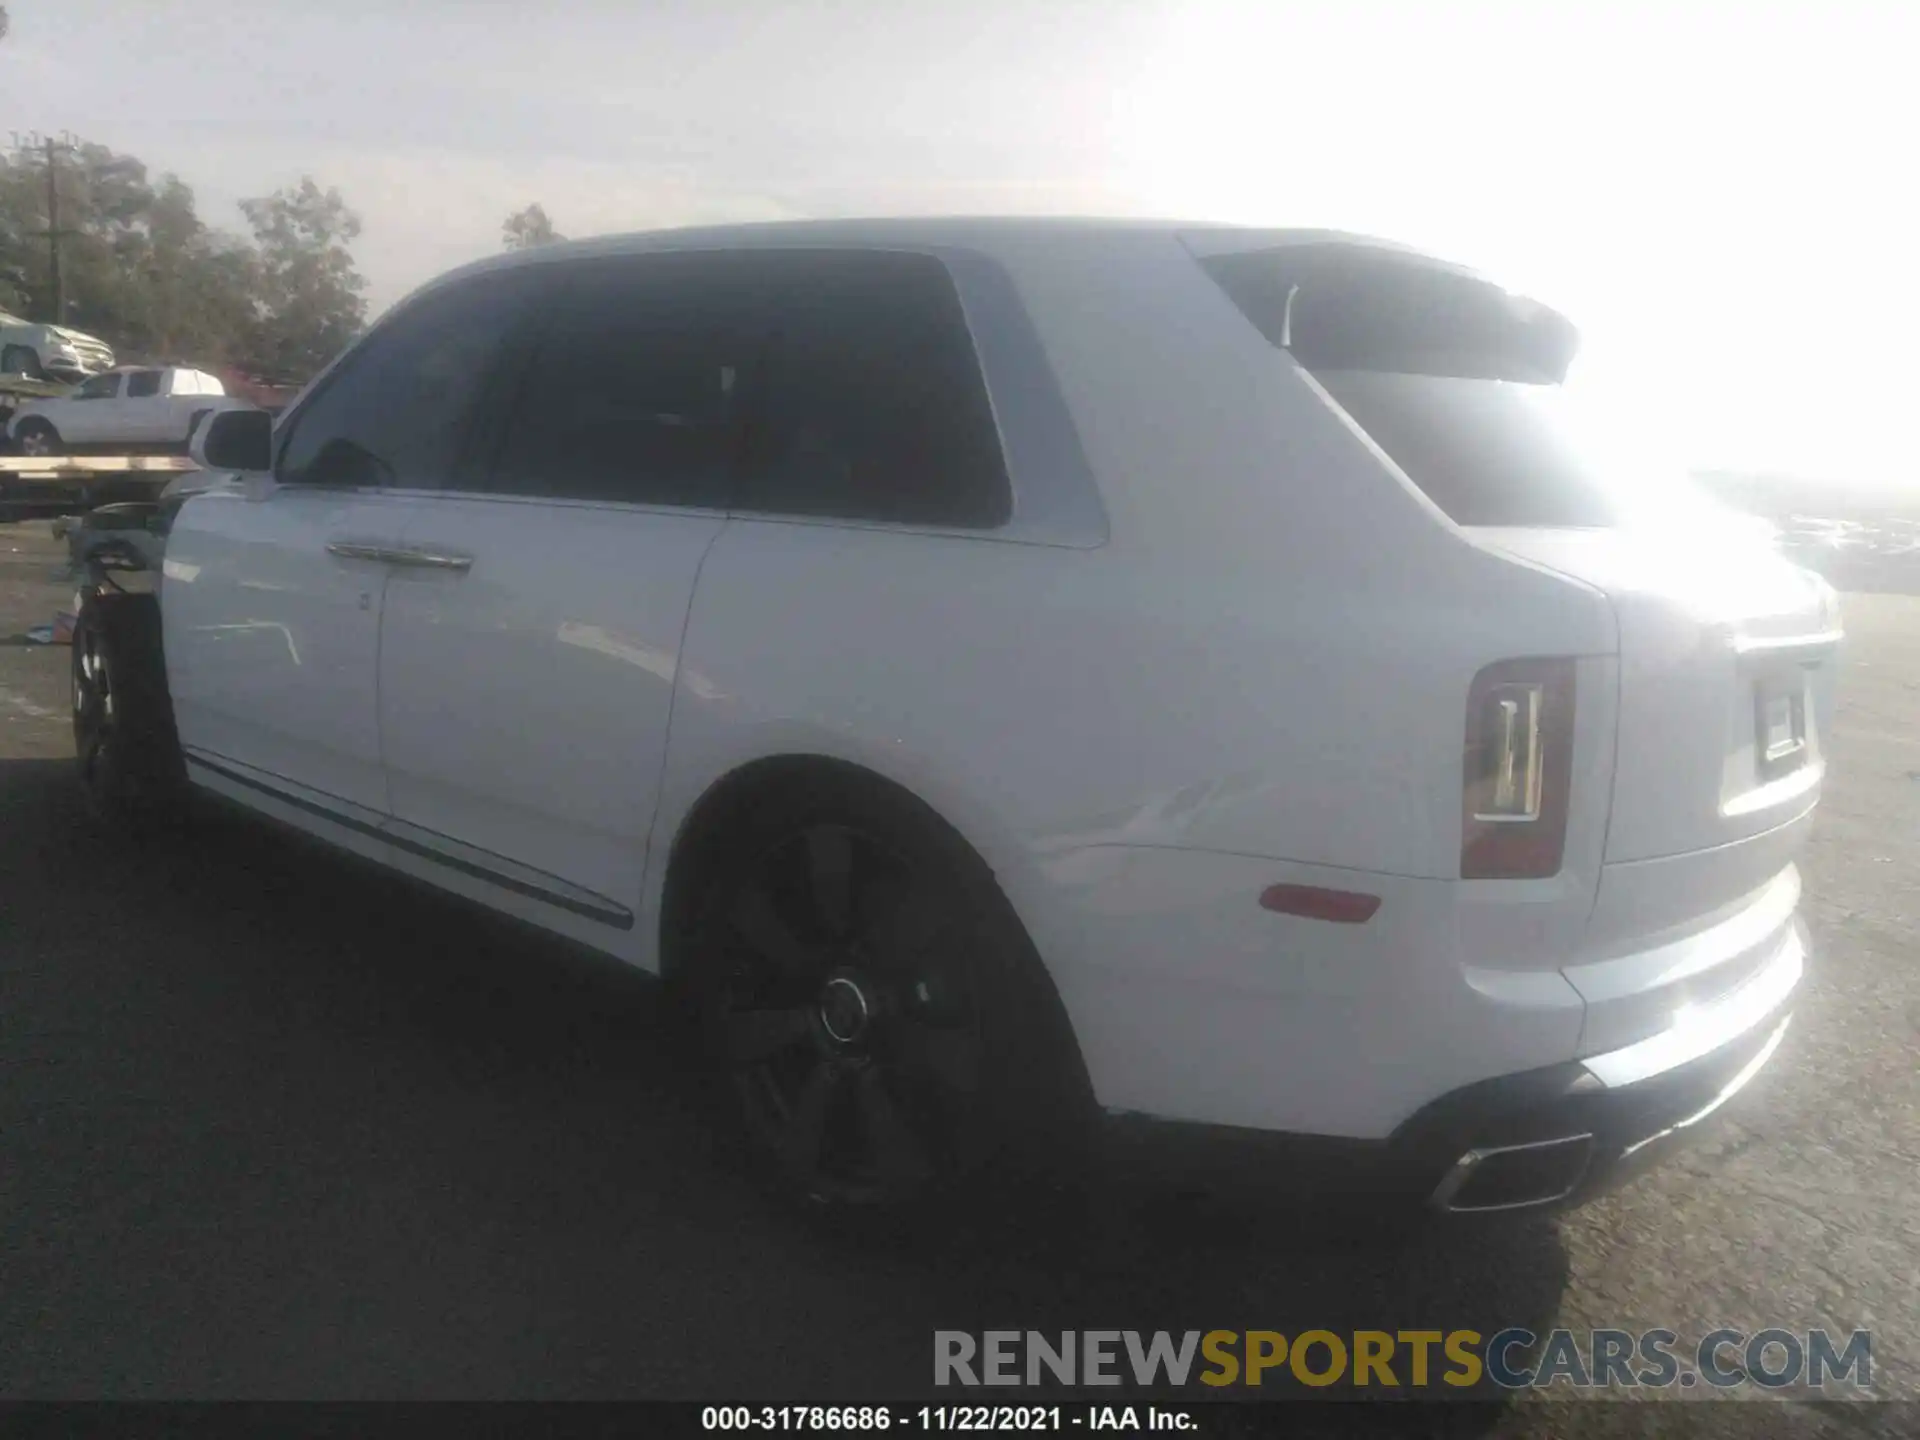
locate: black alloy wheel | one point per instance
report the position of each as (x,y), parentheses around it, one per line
(128,754)
(843,1004)
(97,736)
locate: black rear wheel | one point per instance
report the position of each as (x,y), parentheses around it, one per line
(873,1003)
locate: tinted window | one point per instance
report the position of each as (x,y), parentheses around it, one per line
(1457,380)
(1485,452)
(143,383)
(100,387)
(874,407)
(395,412)
(636,385)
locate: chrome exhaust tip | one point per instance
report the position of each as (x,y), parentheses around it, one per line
(1514,1177)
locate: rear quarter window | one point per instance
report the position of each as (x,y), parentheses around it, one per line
(1487,452)
(873,405)
(1458,381)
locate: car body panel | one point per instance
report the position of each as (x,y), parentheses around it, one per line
(271,638)
(1225,643)
(524,704)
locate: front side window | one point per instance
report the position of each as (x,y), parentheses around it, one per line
(143,384)
(874,406)
(395,414)
(634,391)
(100,387)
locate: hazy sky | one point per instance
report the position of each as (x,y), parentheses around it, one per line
(1721,196)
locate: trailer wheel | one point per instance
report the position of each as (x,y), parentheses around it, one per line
(131,772)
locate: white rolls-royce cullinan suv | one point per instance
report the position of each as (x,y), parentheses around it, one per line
(1023,680)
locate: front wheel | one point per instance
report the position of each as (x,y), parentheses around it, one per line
(123,735)
(886,1029)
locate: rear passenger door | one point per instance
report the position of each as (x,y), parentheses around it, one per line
(528,662)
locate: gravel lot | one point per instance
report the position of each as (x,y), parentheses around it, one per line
(272,1126)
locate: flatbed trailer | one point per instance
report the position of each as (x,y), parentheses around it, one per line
(56,484)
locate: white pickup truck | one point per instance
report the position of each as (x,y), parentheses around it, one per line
(121,410)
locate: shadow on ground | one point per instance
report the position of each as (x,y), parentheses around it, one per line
(278,1126)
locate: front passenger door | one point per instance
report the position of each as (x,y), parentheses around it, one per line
(86,417)
(275,590)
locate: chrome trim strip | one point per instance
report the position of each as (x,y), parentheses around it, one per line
(359,550)
(1732,1087)
(507,874)
(343,813)
(478,864)
(1786,644)
(430,559)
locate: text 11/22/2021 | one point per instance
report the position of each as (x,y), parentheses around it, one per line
(1114,1419)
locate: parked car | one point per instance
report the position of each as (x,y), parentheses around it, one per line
(132,408)
(49,352)
(1026,681)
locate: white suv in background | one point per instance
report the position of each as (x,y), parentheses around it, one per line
(1027,679)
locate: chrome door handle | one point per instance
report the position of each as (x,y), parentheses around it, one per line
(393,555)
(429,559)
(357,550)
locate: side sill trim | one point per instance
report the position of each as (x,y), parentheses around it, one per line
(441,850)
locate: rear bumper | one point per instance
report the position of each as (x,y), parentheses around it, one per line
(1547,1138)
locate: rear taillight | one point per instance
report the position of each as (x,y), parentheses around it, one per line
(1519,768)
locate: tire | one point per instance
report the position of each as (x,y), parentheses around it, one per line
(34,436)
(128,755)
(867,1003)
(20,360)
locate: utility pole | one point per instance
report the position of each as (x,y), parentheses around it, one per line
(50,147)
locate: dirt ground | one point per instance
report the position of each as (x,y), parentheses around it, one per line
(272,1126)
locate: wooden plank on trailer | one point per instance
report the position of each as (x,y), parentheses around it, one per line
(58,465)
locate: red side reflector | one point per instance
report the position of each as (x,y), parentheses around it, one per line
(1342,907)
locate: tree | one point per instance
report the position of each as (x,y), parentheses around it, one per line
(527,228)
(144,273)
(310,300)
(140,269)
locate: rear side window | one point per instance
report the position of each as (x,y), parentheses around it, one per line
(635,389)
(1455,379)
(1487,452)
(142,384)
(873,406)
(395,412)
